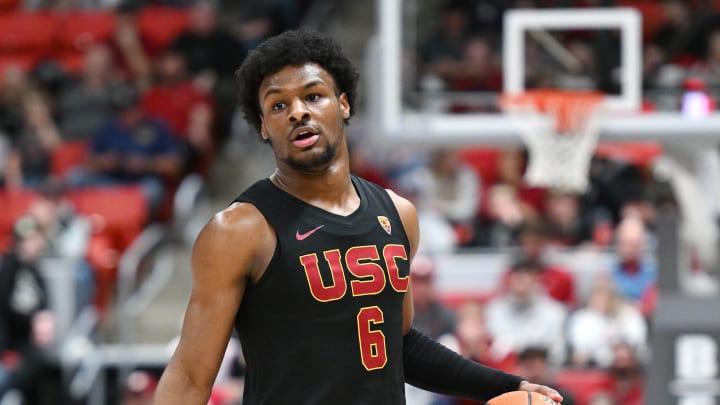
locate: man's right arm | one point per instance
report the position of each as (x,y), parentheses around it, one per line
(232,248)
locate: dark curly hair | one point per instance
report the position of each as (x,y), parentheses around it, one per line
(294,48)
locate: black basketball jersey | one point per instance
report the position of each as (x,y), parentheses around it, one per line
(324,323)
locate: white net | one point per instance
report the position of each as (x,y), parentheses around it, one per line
(560,148)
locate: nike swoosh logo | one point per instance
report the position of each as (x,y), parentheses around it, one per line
(303,236)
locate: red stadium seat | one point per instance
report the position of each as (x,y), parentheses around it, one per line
(583,384)
(14,204)
(122,210)
(28,33)
(7,6)
(483,160)
(159,26)
(67,156)
(82,29)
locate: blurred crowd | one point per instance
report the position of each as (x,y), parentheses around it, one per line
(105,110)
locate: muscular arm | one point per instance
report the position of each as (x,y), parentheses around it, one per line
(231,249)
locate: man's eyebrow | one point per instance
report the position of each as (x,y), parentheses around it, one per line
(275,90)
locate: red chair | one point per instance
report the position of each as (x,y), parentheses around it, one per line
(68,156)
(8,6)
(583,384)
(159,26)
(82,29)
(120,211)
(28,33)
(13,204)
(483,160)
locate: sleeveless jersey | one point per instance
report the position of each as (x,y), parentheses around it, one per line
(323,325)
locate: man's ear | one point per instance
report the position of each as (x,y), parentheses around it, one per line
(344,106)
(263,132)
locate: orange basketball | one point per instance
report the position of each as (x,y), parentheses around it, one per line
(521,398)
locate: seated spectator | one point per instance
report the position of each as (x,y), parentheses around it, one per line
(212,55)
(132,149)
(67,235)
(478,69)
(605,320)
(626,376)
(431,317)
(15,86)
(523,315)
(505,218)
(26,324)
(87,102)
(633,273)
(29,161)
(131,52)
(188,111)
(567,223)
(533,365)
(557,281)
(442,52)
(453,190)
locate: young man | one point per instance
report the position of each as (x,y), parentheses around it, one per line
(311,266)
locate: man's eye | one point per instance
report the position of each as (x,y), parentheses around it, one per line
(278,106)
(313,97)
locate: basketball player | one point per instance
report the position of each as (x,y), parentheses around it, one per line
(311,266)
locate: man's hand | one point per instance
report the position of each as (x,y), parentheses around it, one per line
(541,389)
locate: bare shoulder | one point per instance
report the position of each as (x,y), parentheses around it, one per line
(409,217)
(237,241)
(405,208)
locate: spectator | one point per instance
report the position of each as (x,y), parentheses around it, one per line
(523,315)
(87,102)
(432,317)
(212,55)
(188,111)
(442,53)
(132,149)
(533,365)
(478,69)
(557,281)
(29,163)
(472,339)
(131,53)
(67,235)
(15,86)
(568,223)
(626,376)
(504,219)
(633,273)
(452,189)
(26,324)
(604,321)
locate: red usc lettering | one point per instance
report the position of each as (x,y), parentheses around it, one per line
(391,253)
(337,288)
(363,262)
(371,274)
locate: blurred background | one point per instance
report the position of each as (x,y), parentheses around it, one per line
(598,274)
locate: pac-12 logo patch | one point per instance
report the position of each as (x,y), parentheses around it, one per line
(385,223)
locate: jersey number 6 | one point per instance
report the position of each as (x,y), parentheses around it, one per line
(372,342)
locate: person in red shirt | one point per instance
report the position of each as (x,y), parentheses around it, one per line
(559,283)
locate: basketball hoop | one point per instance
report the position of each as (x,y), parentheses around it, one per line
(559,150)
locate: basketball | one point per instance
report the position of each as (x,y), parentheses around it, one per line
(521,398)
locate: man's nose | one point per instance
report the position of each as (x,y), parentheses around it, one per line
(298,111)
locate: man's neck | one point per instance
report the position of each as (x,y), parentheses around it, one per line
(329,189)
